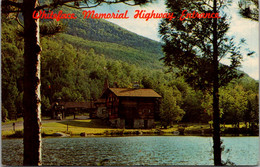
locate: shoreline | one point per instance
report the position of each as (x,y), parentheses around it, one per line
(85,127)
(129,133)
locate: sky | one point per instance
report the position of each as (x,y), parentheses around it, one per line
(239,28)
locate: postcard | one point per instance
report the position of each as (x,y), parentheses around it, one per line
(130,82)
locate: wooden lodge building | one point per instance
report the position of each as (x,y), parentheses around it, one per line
(62,109)
(121,107)
(130,108)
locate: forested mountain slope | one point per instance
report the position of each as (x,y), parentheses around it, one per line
(116,51)
(104,31)
(75,63)
(111,40)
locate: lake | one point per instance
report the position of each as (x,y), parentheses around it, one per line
(135,150)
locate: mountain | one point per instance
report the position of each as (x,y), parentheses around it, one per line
(111,40)
(104,31)
(75,63)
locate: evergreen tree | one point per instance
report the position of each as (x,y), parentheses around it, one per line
(249,9)
(32,51)
(196,46)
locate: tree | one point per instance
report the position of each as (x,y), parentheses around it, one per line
(147,82)
(233,103)
(32,50)
(12,64)
(249,9)
(195,47)
(169,110)
(252,110)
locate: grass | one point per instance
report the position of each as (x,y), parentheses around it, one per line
(198,127)
(75,127)
(7,132)
(96,126)
(89,126)
(12,121)
(99,127)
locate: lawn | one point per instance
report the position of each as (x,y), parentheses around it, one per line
(12,121)
(88,126)
(99,127)
(75,127)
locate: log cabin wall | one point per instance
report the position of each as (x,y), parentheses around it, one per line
(141,108)
(134,112)
(112,104)
(131,111)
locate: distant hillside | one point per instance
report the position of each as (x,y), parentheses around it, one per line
(111,40)
(116,51)
(104,31)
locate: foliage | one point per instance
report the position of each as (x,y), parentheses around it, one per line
(116,51)
(75,69)
(103,31)
(238,104)
(249,9)
(233,103)
(4,113)
(12,65)
(195,46)
(170,111)
(188,45)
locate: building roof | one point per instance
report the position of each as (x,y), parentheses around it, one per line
(128,92)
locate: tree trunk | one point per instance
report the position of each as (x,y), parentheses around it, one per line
(216,112)
(31,99)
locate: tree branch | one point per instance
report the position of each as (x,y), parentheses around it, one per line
(11,3)
(18,20)
(95,4)
(129,4)
(12,11)
(77,7)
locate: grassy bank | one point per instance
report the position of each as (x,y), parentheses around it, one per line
(76,127)
(12,121)
(90,127)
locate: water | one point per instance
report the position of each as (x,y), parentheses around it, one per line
(141,150)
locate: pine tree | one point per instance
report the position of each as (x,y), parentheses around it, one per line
(32,62)
(196,46)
